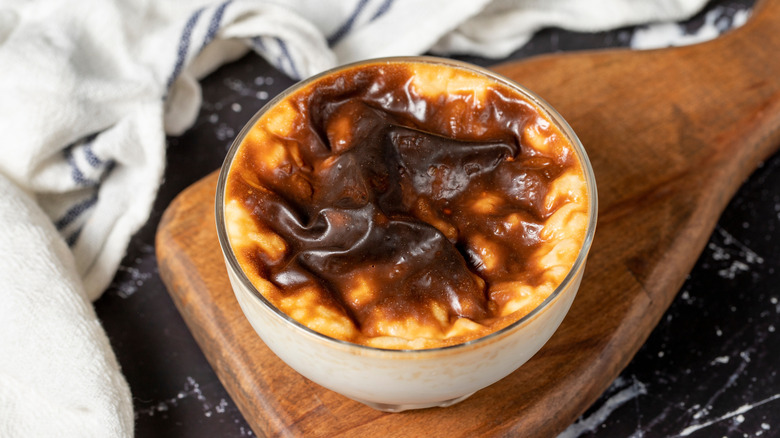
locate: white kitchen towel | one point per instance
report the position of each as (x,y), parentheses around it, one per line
(88,90)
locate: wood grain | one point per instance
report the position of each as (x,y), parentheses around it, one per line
(671,134)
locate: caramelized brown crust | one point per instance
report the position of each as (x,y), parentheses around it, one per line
(405,205)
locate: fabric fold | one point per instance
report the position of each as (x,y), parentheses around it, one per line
(58,374)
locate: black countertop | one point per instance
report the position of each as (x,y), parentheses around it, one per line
(708,369)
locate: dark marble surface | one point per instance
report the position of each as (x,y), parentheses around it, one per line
(708,370)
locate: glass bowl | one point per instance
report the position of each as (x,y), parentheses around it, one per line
(397,380)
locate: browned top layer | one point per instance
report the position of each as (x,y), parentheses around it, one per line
(400,199)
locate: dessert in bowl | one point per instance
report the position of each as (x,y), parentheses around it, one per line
(406,231)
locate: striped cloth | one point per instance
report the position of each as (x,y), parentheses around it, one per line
(89,90)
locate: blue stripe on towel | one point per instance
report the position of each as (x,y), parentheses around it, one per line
(282,57)
(286,53)
(71,240)
(74,212)
(214,25)
(92,159)
(75,173)
(184,46)
(347,26)
(258,41)
(382,10)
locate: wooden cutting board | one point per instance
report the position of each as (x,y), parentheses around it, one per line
(671,134)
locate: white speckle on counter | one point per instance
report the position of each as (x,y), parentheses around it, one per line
(235,100)
(264,80)
(191,389)
(239,87)
(126,288)
(731,271)
(131,277)
(705,411)
(701,412)
(733,414)
(224,132)
(661,35)
(718,253)
(589,424)
(739,255)
(720,359)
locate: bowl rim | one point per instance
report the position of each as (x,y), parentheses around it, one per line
(541,105)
